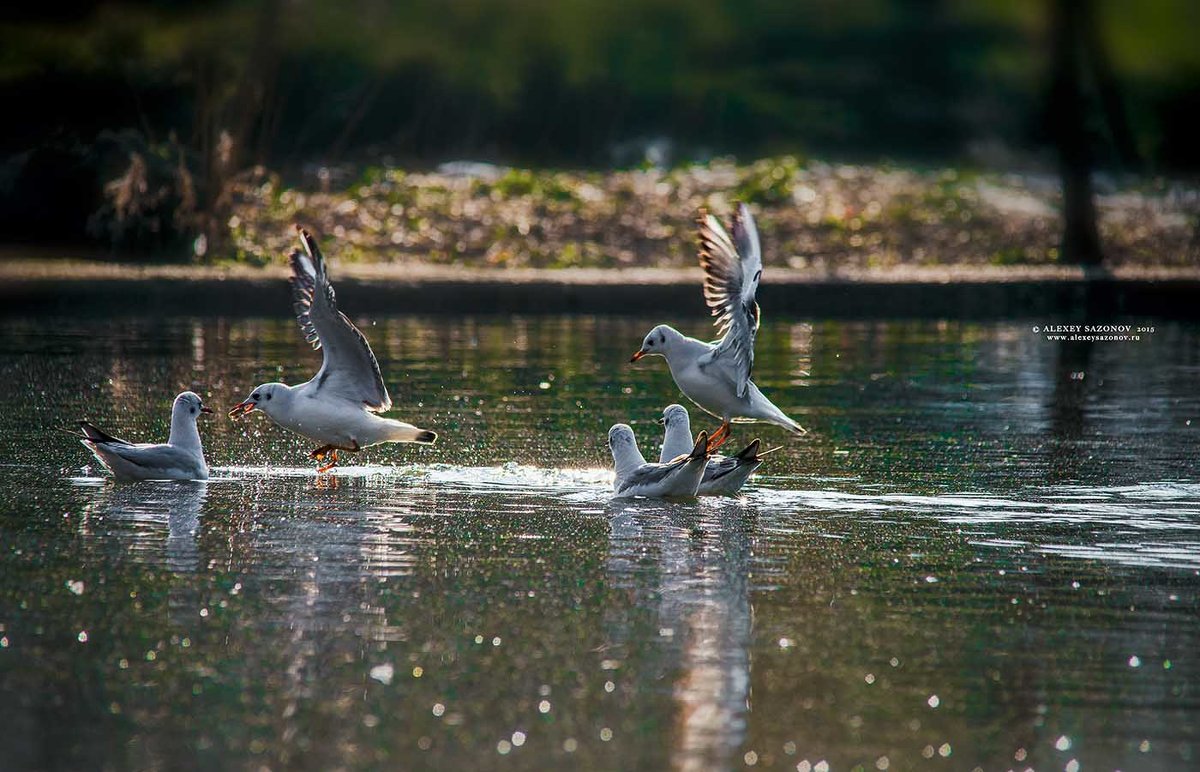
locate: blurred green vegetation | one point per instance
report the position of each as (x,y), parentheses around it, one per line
(212,89)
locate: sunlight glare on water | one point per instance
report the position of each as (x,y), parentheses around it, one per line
(973,559)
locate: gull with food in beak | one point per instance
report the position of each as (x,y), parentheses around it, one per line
(338,407)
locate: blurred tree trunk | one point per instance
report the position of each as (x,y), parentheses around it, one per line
(1081,239)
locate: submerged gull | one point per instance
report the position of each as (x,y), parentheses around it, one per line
(337,407)
(716,376)
(635,477)
(724,475)
(181,458)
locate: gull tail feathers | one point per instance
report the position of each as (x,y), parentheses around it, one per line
(402,432)
(781,420)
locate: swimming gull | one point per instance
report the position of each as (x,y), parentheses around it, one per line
(181,458)
(635,477)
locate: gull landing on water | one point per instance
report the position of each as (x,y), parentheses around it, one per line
(716,376)
(723,475)
(635,477)
(181,458)
(337,407)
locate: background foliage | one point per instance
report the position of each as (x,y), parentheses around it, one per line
(202,91)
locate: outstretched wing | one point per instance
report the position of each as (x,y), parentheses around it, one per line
(732,269)
(350,369)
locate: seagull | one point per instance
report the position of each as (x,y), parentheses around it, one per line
(716,376)
(181,458)
(337,407)
(724,475)
(636,477)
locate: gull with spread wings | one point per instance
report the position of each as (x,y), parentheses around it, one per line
(716,376)
(338,407)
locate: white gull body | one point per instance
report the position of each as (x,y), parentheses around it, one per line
(180,458)
(338,407)
(635,477)
(716,376)
(724,475)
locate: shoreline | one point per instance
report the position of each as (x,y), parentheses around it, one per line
(39,287)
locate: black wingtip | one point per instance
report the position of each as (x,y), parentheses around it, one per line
(94,434)
(750,452)
(427,437)
(700,449)
(310,245)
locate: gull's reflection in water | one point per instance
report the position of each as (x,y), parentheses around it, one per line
(161,519)
(689,563)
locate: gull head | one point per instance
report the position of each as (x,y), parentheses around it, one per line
(658,341)
(265,398)
(620,437)
(676,415)
(189,404)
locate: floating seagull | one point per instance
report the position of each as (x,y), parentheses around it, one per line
(337,407)
(724,475)
(635,477)
(181,458)
(716,376)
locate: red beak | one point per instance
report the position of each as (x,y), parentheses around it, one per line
(241,409)
(204,409)
(637,356)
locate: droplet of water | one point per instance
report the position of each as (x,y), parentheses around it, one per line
(1063,743)
(383,673)
(934,701)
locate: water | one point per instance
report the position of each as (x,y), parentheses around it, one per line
(986,554)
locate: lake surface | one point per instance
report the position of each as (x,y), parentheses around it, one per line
(985,555)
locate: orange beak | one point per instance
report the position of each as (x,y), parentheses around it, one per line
(637,356)
(241,409)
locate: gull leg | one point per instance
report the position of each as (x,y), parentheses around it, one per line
(323,452)
(332,461)
(718,438)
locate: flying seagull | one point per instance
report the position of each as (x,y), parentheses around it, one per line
(338,407)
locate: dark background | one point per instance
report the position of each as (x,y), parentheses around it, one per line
(204,91)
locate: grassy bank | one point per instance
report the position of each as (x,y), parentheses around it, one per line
(815,217)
